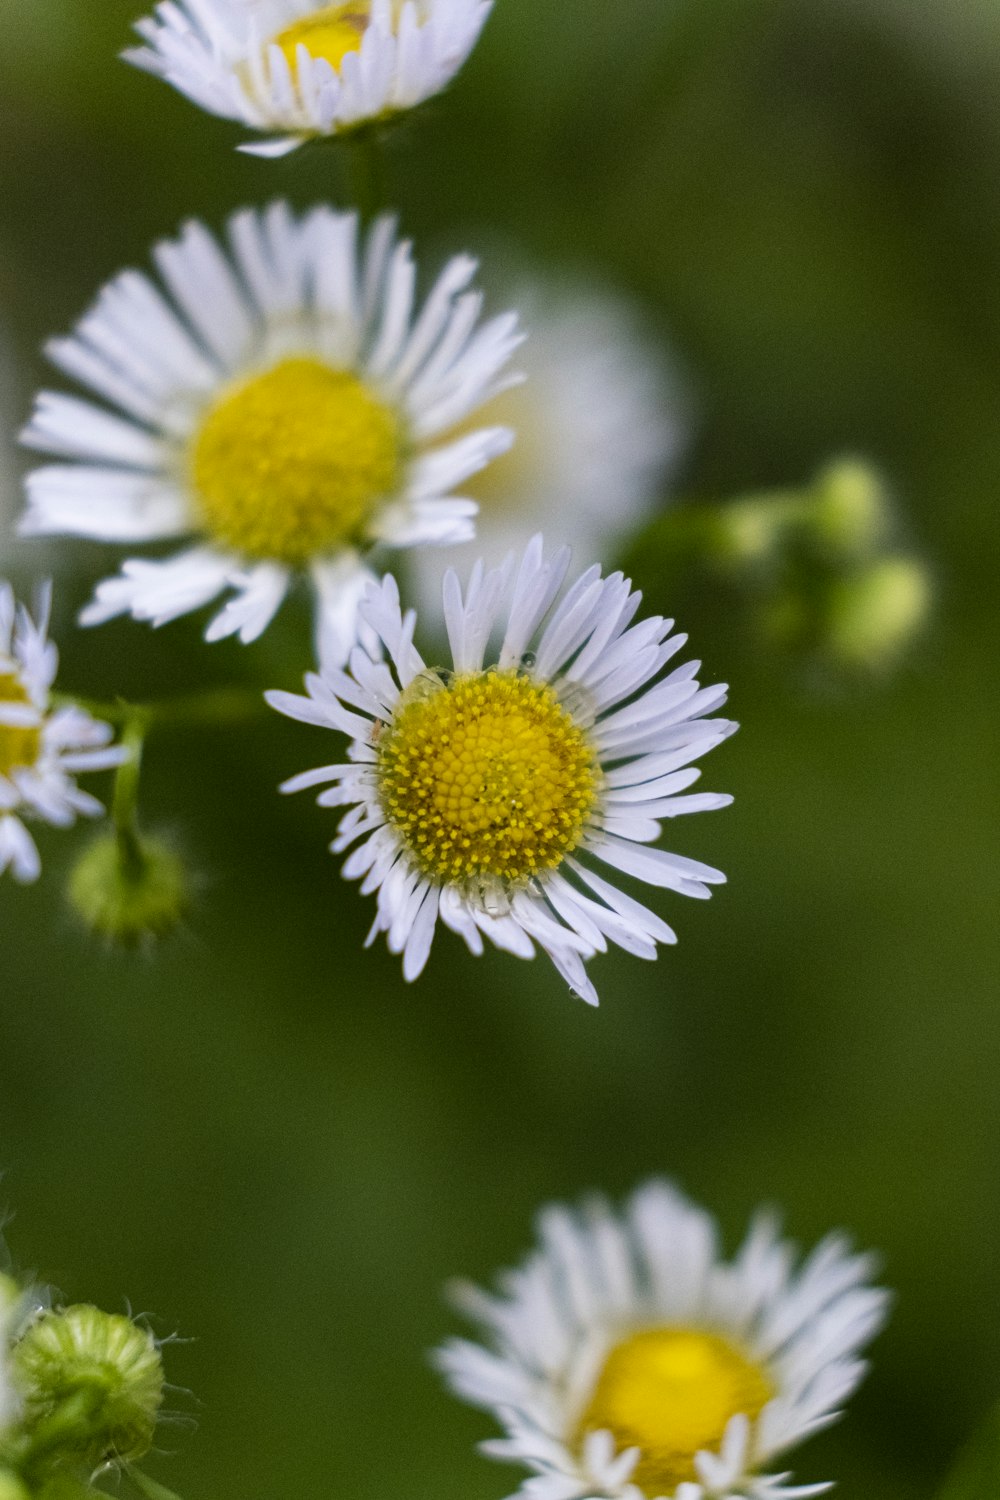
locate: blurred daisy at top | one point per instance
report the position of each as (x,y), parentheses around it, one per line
(42,746)
(600,425)
(295,69)
(285,404)
(484,794)
(627,1359)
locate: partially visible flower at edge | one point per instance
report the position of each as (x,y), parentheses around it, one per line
(42,747)
(289,407)
(482,794)
(295,69)
(10,1311)
(600,423)
(626,1360)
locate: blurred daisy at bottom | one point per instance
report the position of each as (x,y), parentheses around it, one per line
(626,1358)
(42,746)
(483,794)
(600,424)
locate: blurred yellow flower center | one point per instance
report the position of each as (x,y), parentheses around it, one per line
(330,33)
(486,775)
(291,464)
(18,747)
(671,1392)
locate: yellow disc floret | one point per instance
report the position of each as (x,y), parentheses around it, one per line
(289,465)
(486,777)
(671,1392)
(19,747)
(330,33)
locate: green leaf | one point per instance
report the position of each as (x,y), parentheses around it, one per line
(976,1475)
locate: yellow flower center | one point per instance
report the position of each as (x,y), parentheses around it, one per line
(671,1392)
(330,33)
(18,747)
(486,776)
(290,464)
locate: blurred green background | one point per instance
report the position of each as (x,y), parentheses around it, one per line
(259,1134)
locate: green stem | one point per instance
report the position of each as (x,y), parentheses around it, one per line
(220,707)
(367,169)
(125,802)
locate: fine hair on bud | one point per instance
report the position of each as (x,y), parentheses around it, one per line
(132,891)
(92,1383)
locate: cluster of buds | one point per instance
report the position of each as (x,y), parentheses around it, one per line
(81,1393)
(819,573)
(832,579)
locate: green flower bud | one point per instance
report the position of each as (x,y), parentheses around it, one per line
(752,530)
(851,512)
(92,1383)
(875,615)
(12,1487)
(130,890)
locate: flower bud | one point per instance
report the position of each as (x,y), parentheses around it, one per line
(130,890)
(875,615)
(12,1486)
(93,1381)
(752,530)
(851,512)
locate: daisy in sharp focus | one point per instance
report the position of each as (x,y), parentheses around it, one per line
(295,69)
(484,794)
(602,414)
(285,405)
(627,1360)
(41,747)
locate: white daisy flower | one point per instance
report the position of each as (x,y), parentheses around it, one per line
(627,1359)
(286,407)
(485,793)
(601,415)
(41,747)
(10,1313)
(295,69)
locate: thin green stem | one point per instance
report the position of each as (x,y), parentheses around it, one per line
(220,708)
(125,802)
(367,169)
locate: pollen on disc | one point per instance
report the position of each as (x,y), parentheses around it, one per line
(290,464)
(671,1392)
(330,33)
(487,776)
(19,746)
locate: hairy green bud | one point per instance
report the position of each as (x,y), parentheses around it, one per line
(91,1384)
(131,890)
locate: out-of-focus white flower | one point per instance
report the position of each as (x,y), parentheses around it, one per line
(10,1306)
(41,747)
(483,795)
(295,69)
(626,1359)
(599,424)
(288,405)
